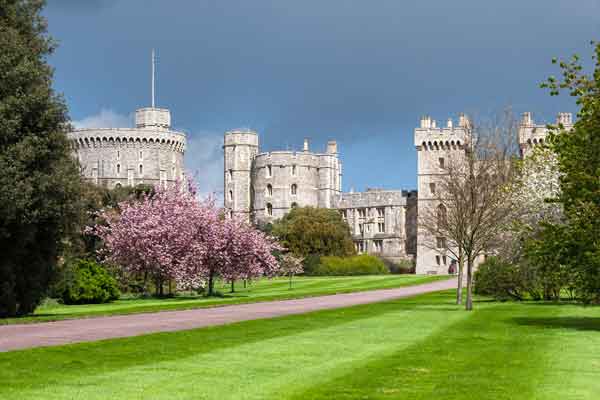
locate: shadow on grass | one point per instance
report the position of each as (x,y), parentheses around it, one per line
(576,323)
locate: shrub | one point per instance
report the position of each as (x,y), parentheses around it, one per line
(86,282)
(356,265)
(399,267)
(311,264)
(499,279)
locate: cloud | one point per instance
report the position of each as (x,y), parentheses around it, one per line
(106,118)
(204,160)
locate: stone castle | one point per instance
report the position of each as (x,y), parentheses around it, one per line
(264,186)
(151,153)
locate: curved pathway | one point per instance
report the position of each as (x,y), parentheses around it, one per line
(13,337)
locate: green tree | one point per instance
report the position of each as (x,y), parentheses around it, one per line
(578,153)
(39,179)
(314,231)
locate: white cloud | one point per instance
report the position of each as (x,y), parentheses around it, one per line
(204,161)
(106,118)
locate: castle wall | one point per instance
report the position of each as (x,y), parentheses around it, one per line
(378,221)
(240,149)
(113,156)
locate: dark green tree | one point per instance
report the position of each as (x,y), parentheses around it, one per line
(39,179)
(578,152)
(314,231)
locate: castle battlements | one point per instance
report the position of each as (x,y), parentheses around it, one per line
(532,134)
(429,136)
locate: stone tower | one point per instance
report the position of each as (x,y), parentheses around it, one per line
(531,135)
(240,149)
(436,148)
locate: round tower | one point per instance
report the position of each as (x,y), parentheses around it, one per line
(240,148)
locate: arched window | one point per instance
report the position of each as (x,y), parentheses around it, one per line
(118,168)
(294,205)
(141,169)
(230,195)
(141,156)
(294,189)
(269,171)
(441,215)
(269,190)
(118,185)
(269,209)
(293,170)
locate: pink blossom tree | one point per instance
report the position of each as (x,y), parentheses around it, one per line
(171,235)
(164,236)
(291,265)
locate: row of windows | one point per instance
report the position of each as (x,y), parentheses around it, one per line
(362,213)
(361,246)
(380,227)
(293,171)
(293,190)
(141,156)
(269,208)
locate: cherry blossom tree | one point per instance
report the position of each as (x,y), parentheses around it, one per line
(164,236)
(172,235)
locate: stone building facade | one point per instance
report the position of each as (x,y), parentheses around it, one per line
(151,153)
(264,186)
(436,146)
(382,222)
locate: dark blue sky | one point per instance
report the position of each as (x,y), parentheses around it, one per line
(362,72)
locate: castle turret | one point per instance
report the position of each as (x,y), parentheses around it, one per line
(436,149)
(240,148)
(531,134)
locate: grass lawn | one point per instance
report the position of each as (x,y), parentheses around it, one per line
(417,348)
(262,290)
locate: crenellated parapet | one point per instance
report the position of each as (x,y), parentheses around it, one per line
(108,137)
(532,134)
(428,136)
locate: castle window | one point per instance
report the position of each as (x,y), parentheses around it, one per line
(441,243)
(362,213)
(378,245)
(141,156)
(141,169)
(437,260)
(269,171)
(230,175)
(269,190)
(381,227)
(444,260)
(293,170)
(294,205)
(442,162)
(118,155)
(294,189)
(230,195)
(381,212)
(361,228)
(269,209)
(230,214)
(441,215)
(432,188)
(118,169)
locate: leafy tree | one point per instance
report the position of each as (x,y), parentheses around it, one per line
(40,180)
(578,153)
(308,231)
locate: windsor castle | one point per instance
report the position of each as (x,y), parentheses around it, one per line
(264,186)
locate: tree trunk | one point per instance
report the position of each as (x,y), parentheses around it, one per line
(232,286)
(291,281)
(469,302)
(459,288)
(244,283)
(211,283)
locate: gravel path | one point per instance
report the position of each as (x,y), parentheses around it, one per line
(13,337)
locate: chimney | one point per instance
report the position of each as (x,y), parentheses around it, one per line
(463,121)
(449,123)
(305,148)
(332,147)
